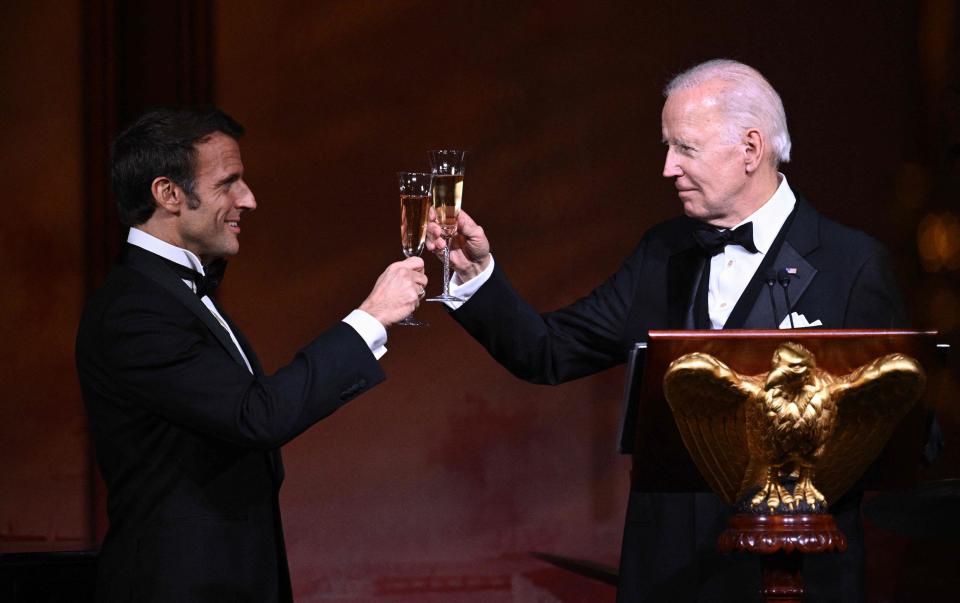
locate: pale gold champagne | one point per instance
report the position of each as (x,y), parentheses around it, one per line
(414,214)
(447,193)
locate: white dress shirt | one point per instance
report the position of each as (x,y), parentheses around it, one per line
(368,327)
(730,270)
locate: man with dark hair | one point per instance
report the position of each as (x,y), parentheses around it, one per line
(187,426)
(725,131)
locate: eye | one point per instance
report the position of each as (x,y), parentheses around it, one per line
(227,183)
(681,148)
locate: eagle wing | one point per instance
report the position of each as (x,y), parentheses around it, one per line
(869,403)
(707,400)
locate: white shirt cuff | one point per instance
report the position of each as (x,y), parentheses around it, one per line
(370,329)
(466,290)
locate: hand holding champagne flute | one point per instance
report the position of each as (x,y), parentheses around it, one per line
(414,214)
(448,167)
(469,248)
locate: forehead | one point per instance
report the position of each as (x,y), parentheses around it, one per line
(693,112)
(218,153)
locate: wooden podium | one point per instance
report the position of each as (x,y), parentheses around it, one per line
(661,462)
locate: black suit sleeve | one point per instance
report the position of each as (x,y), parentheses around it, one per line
(163,359)
(578,340)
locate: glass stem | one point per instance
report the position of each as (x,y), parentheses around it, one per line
(446,266)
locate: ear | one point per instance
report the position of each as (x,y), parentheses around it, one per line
(754,150)
(166,194)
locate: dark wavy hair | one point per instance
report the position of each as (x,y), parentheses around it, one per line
(162,142)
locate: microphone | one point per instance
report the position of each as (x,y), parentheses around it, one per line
(783,277)
(770,278)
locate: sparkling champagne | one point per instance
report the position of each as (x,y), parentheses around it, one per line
(447,193)
(414,213)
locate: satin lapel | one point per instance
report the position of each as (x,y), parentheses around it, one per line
(682,271)
(802,237)
(761,315)
(153,268)
(274,459)
(242,340)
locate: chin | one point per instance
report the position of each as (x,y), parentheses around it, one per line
(230,249)
(692,210)
(222,254)
(700,214)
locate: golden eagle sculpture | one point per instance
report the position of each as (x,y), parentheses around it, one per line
(751,436)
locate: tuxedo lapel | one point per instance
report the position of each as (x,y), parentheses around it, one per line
(242,340)
(154,268)
(761,315)
(274,458)
(802,237)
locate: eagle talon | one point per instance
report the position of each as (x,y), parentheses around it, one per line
(788,500)
(773,494)
(807,492)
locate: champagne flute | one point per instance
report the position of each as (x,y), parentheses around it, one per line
(414,215)
(448,168)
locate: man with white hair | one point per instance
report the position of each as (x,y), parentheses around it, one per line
(725,131)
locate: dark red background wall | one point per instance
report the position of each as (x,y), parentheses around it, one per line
(437,485)
(44,472)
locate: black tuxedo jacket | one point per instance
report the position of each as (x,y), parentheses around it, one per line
(843,279)
(188,440)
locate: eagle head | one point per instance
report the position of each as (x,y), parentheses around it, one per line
(792,364)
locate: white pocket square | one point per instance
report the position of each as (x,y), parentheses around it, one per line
(799,322)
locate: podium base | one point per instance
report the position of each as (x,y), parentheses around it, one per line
(782,540)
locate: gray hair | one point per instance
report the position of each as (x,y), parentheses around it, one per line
(748,102)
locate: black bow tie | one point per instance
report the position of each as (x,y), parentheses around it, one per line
(205,283)
(712,241)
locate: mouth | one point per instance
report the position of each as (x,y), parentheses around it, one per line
(234,226)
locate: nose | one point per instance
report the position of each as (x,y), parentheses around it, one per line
(670,167)
(247,200)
